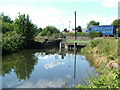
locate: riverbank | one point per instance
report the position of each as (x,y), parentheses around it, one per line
(103,53)
(13,43)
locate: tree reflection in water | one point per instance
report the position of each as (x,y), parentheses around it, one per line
(21,64)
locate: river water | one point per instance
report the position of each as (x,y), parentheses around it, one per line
(45,68)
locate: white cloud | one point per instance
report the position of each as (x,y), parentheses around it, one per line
(48,15)
(39,56)
(43,17)
(110,3)
(52,64)
(43,83)
(14,82)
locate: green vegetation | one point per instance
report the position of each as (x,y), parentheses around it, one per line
(20,33)
(103,54)
(92,23)
(26,28)
(19,64)
(50,38)
(72,34)
(93,34)
(105,47)
(117,24)
(79,29)
(17,34)
(11,42)
(49,30)
(107,80)
(77,41)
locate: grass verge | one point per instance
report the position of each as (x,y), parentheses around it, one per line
(77,41)
(103,53)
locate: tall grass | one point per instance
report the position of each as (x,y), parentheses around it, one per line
(105,47)
(96,50)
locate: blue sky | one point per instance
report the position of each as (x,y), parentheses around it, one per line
(59,12)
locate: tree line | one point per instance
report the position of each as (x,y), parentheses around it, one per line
(19,33)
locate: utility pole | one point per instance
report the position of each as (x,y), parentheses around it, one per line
(75,25)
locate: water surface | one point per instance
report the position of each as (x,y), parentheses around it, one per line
(45,69)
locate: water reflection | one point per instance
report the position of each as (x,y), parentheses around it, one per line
(44,83)
(19,63)
(44,68)
(74,63)
(52,64)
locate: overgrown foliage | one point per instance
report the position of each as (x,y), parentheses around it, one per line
(7,23)
(117,24)
(107,80)
(49,30)
(106,47)
(24,26)
(79,29)
(11,42)
(17,34)
(102,52)
(93,34)
(92,23)
(20,33)
(72,34)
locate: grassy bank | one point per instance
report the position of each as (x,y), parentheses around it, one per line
(77,41)
(50,38)
(103,53)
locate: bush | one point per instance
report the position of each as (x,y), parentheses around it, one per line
(11,42)
(93,34)
(107,80)
(107,47)
(49,30)
(72,34)
(104,48)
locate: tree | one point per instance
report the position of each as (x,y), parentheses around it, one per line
(49,30)
(65,30)
(24,26)
(117,24)
(7,23)
(39,30)
(99,34)
(6,27)
(6,18)
(92,34)
(79,29)
(92,23)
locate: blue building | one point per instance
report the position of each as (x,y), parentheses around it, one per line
(105,29)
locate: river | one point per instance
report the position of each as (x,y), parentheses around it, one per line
(45,68)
